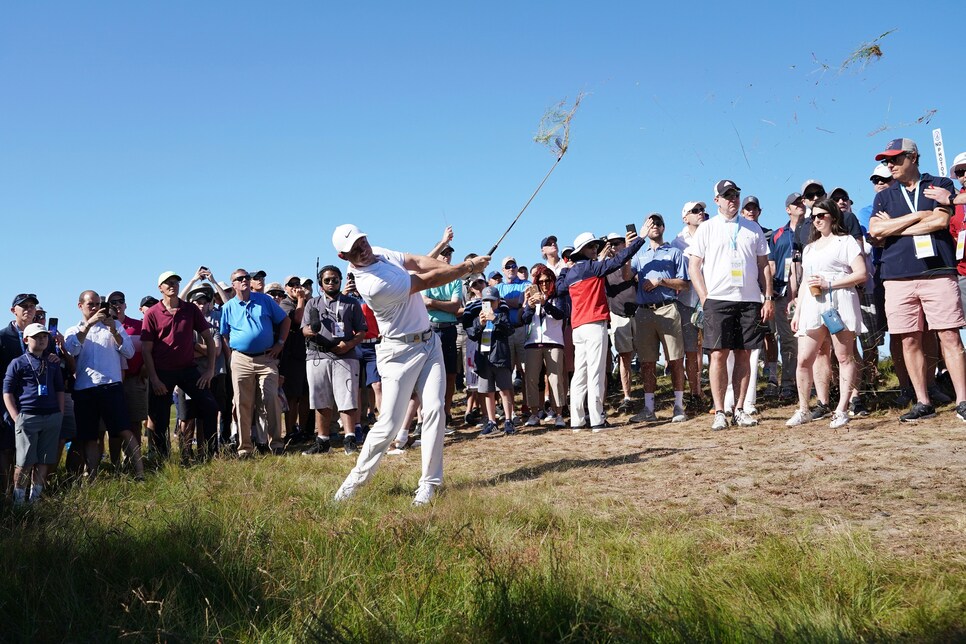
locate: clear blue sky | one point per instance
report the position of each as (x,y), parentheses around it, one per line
(141,137)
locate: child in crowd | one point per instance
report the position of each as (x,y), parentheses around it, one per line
(33,393)
(491,330)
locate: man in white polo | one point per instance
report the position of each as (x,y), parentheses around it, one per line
(410,356)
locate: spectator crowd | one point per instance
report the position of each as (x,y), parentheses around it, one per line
(256,366)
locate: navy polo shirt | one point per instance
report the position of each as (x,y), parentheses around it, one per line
(849,221)
(899,259)
(781,243)
(665,261)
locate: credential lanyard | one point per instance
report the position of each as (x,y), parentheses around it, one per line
(914,202)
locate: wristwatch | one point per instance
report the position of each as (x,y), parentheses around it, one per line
(769,298)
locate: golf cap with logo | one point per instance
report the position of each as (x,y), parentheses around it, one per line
(883,172)
(838,189)
(584,239)
(257,275)
(958,162)
(614,237)
(148,300)
(811,182)
(345,236)
(896,147)
(724,186)
(689,205)
(792,198)
(507,260)
(165,276)
(750,199)
(548,240)
(22,298)
(490,294)
(34,329)
(496,275)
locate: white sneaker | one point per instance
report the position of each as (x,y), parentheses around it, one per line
(751,411)
(679,415)
(720,421)
(798,418)
(533,421)
(744,419)
(424,494)
(644,416)
(347,489)
(839,419)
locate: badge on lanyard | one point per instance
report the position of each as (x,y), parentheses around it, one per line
(737,271)
(924,247)
(960,244)
(788,270)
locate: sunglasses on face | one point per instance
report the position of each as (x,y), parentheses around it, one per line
(277,294)
(880,180)
(508,266)
(332,280)
(731,195)
(242,278)
(896,160)
(697,210)
(841,197)
(812,195)
(819,215)
(115,302)
(959,172)
(544,280)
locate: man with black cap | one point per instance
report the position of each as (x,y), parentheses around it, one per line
(585,282)
(258,281)
(782,250)
(919,270)
(410,356)
(728,262)
(551,254)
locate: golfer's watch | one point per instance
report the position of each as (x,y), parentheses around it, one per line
(769,298)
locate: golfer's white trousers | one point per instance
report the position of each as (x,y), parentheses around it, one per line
(404,368)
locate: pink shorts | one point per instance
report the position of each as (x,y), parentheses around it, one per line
(911,304)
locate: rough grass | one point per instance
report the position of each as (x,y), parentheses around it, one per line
(256,551)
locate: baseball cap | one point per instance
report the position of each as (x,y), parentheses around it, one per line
(506,260)
(750,199)
(165,276)
(448,250)
(657,217)
(898,146)
(724,186)
(34,329)
(274,286)
(960,160)
(839,189)
(289,279)
(688,205)
(200,291)
(257,275)
(490,294)
(344,236)
(549,239)
(566,252)
(792,198)
(883,172)
(584,239)
(811,182)
(495,275)
(22,298)
(148,300)
(613,237)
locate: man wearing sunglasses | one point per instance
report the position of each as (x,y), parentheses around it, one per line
(919,270)
(512,290)
(728,266)
(956,223)
(694,213)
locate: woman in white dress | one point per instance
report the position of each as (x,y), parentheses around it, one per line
(832,266)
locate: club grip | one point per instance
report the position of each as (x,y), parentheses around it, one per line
(492,250)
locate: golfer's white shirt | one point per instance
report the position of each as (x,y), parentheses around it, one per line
(385,286)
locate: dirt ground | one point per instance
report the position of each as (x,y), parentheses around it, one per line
(904,483)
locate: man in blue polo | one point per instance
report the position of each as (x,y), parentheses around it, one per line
(661,275)
(512,290)
(443,303)
(255,328)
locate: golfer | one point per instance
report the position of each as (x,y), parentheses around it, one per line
(410,356)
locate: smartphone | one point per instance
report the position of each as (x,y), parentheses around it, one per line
(488,307)
(631,228)
(202,269)
(52,326)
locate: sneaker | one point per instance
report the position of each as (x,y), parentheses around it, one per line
(509,429)
(371,419)
(424,494)
(787,393)
(905,397)
(361,434)
(349,444)
(417,430)
(839,419)
(771,390)
(820,411)
(720,421)
(560,423)
(679,415)
(347,489)
(644,416)
(961,411)
(751,411)
(533,421)
(318,447)
(919,411)
(800,417)
(489,430)
(744,419)
(448,431)
(625,406)
(468,420)
(937,396)
(603,427)
(517,420)
(857,408)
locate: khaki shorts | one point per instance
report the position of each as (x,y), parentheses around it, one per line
(621,333)
(654,327)
(912,304)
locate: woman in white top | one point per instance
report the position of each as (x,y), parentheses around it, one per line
(545,312)
(832,266)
